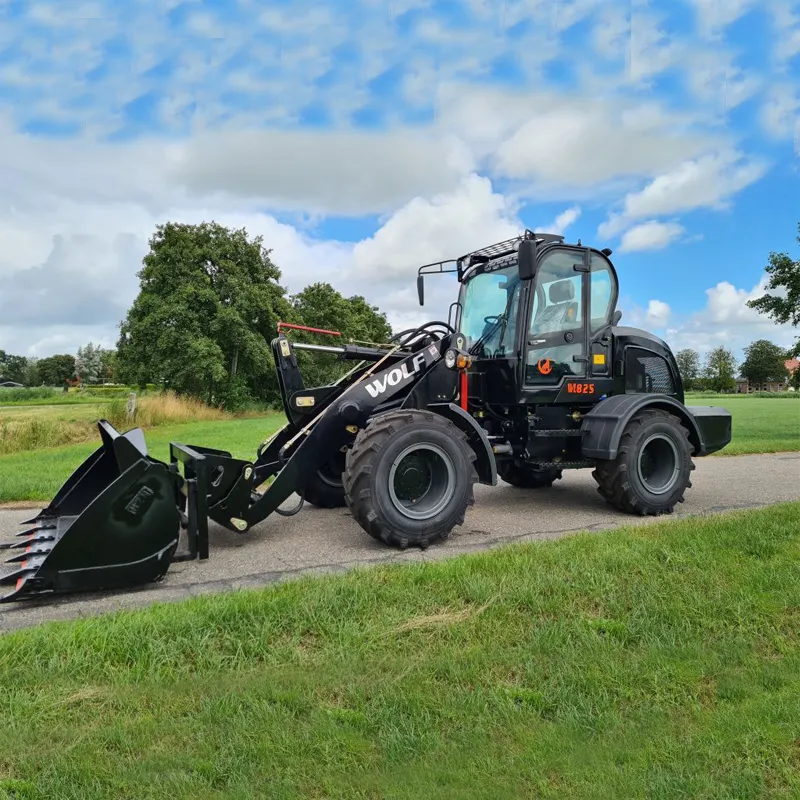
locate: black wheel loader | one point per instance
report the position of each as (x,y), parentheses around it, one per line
(531,375)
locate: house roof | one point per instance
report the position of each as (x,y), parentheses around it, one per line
(792,364)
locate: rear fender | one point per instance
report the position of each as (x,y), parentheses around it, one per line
(602,427)
(486,464)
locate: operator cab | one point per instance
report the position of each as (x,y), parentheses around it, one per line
(543,319)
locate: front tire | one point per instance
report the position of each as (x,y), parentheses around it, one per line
(409,478)
(653,466)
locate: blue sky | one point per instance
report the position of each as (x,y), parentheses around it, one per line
(363,138)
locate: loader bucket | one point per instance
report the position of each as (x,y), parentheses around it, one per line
(114,523)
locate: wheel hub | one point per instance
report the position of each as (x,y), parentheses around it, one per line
(421,481)
(413,478)
(658,464)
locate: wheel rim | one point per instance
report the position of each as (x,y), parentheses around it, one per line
(658,464)
(421,481)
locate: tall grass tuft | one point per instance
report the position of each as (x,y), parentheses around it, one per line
(166,408)
(34,433)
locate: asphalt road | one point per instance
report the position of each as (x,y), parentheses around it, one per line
(317,540)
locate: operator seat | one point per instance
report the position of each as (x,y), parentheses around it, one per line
(563,312)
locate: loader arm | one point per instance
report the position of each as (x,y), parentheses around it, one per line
(336,426)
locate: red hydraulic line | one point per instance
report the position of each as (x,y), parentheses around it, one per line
(463,391)
(306,328)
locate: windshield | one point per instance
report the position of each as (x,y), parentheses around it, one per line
(489,316)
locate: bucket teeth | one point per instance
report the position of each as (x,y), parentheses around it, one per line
(12,577)
(37,529)
(31,552)
(20,545)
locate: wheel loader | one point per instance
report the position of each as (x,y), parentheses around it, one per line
(531,375)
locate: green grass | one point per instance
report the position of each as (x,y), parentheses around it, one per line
(37,474)
(660,661)
(63,412)
(760,424)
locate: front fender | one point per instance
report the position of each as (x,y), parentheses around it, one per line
(602,427)
(478,439)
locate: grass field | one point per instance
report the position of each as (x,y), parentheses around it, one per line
(760,425)
(660,661)
(37,474)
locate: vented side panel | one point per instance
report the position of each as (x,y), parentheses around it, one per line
(647,372)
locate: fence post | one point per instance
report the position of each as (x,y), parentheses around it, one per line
(130,408)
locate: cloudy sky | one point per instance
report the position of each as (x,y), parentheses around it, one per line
(362,138)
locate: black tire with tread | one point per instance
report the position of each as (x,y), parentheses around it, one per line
(617,480)
(527,477)
(322,492)
(367,464)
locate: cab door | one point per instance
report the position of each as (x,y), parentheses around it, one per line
(555,347)
(603,291)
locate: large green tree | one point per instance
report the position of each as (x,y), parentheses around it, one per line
(55,370)
(782,300)
(15,368)
(720,369)
(689,367)
(89,363)
(321,306)
(207,308)
(764,361)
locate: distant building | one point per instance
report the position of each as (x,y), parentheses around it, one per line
(743,386)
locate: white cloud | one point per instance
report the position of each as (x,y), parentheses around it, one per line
(554,139)
(651,235)
(780,113)
(347,172)
(652,50)
(658,314)
(726,320)
(713,16)
(564,220)
(445,226)
(707,182)
(786,25)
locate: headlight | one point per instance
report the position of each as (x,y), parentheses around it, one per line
(450,359)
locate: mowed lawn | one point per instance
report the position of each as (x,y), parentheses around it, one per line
(760,425)
(661,661)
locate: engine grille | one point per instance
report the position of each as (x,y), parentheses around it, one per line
(647,372)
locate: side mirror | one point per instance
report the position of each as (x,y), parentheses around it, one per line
(526,259)
(421,289)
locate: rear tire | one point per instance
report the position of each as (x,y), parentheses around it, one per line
(325,488)
(527,477)
(409,478)
(653,466)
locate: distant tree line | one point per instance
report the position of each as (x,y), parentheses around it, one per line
(91,365)
(764,362)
